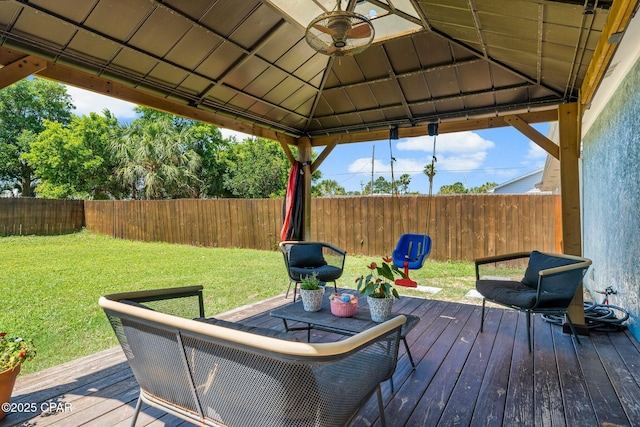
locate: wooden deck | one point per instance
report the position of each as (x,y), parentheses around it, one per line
(463,377)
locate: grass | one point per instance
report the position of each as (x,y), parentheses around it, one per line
(51,284)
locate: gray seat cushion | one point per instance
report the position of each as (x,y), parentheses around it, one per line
(507,292)
(326,273)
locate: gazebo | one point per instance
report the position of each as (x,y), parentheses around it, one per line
(249,66)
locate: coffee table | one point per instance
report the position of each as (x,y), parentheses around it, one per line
(325,321)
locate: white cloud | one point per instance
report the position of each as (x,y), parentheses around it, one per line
(536,156)
(535,152)
(460,142)
(461,163)
(227,133)
(87,102)
(456,152)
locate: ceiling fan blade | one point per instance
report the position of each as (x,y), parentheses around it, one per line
(324,29)
(362,31)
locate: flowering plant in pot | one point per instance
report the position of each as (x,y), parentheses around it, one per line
(311,292)
(379,289)
(13,352)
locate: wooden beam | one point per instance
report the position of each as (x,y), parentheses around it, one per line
(569,178)
(618,19)
(26,65)
(545,143)
(287,152)
(543,116)
(569,123)
(321,158)
(114,89)
(20,69)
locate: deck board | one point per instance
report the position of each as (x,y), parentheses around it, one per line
(463,376)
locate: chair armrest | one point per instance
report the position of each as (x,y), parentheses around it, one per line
(498,258)
(285,243)
(558,285)
(159,295)
(334,248)
(328,250)
(335,256)
(559,270)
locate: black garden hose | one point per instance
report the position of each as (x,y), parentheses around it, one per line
(599,317)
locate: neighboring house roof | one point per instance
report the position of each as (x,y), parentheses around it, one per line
(521,185)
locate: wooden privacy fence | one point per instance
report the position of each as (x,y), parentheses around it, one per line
(244,223)
(463,227)
(20,216)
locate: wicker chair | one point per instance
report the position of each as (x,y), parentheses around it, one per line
(221,376)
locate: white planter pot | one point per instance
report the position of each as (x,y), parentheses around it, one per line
(312,300)
(380,308)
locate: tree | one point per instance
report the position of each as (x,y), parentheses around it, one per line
(24,106)
(484,188)
(74,161)
(255,168)
(155,160)
(402,185)
(205,140)
(457,188)
(329,187)
(430,171)
(380,186)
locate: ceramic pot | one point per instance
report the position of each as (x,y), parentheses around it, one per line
(380,308)
(7,380)
(312,300)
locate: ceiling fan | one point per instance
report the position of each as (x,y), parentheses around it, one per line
(340,32)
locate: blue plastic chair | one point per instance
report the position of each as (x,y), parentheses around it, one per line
(410,253)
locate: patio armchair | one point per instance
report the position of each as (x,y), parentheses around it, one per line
(549,284)
(218,373)
(307,258)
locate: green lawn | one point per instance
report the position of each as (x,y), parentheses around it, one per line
(51,285)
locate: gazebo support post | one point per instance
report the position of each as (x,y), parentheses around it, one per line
(570,123)
(304,156)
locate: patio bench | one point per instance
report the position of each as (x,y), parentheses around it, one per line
(212,372)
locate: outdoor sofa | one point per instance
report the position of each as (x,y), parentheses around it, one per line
(213,372)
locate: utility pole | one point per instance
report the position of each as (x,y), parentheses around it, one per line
(373,155)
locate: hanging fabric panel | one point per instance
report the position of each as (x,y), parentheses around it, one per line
(293,204)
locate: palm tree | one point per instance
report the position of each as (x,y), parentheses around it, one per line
(155,159)
(430,171)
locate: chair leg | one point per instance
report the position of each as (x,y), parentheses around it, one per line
(573,328)
(529,330)
(137,411)
(288,289)
(482,317)
(383,422)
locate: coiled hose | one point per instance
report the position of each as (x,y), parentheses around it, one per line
(599,317)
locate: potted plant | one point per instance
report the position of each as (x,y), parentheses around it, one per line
(379,290)
(311,292)
(13,352)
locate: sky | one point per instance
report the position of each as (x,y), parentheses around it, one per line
(471,158)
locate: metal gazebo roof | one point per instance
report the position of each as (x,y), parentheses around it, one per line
(245,65)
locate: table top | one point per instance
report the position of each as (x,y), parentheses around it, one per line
(352,325)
